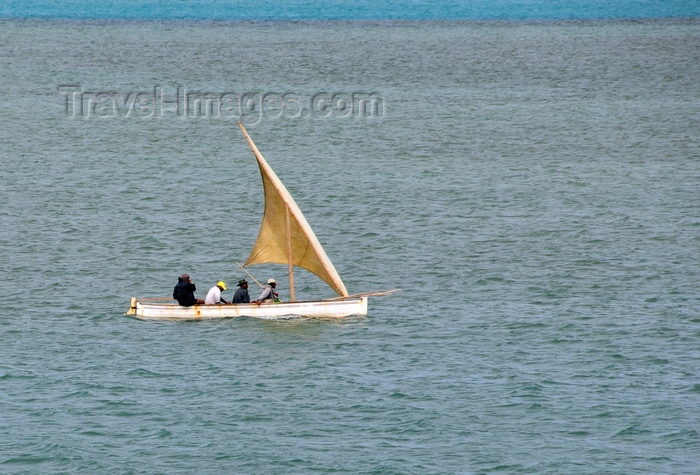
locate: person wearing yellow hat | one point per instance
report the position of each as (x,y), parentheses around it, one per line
(214,296)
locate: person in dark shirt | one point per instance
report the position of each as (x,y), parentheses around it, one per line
(184,292)
(241,295)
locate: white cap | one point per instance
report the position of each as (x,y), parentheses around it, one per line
(271,281)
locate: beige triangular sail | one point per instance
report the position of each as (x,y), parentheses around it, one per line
(283,218)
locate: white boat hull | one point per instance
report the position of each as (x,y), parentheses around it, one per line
(313,309)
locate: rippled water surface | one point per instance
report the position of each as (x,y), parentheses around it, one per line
(532,187)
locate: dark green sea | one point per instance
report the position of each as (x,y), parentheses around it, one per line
(532,187)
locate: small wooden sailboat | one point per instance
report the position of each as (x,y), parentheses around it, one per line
(285,238)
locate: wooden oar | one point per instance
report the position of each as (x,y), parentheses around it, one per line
(366,294)
(243,268)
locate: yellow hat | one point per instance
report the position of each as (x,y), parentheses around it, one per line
(221,284)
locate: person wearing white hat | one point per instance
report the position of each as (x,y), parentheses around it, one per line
(268,294)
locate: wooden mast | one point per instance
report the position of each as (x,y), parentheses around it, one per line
(289,254)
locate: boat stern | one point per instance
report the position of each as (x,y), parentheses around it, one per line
(132,308)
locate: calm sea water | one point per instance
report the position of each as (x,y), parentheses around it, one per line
(532,187)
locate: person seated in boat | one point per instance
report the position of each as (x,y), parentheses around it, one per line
(184,292)
(214,295)
(268,294)
(241,295)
